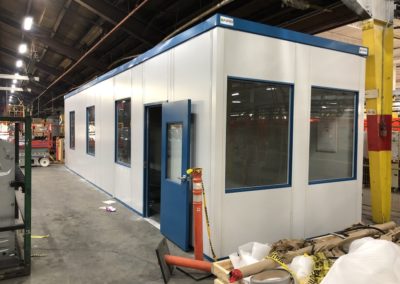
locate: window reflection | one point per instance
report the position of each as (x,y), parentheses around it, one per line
(123,143)
(257,133)
(332,134)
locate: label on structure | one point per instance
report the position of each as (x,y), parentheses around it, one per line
(227,21)
(363,51)
(371,111)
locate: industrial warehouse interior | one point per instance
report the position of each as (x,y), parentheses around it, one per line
(208,141)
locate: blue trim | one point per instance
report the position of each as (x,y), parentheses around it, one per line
(288,35)
(116,134)
(355,138)
(237,24)
(210,259)
(331,180)
(253,188)
(122,164)
(290,142)
(107,193)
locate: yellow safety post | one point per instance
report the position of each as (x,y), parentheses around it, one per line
(378,37)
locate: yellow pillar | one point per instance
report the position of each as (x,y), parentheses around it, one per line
(378,37)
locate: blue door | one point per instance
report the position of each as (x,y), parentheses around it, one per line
(175,215)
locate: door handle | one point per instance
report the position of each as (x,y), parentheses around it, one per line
(183,178)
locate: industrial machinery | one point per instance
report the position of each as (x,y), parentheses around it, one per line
(42,144)
(15,204)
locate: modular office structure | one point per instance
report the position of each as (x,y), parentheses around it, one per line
(273,117)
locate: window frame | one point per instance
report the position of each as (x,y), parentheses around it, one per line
(116,133)
(70,136)
(355,137)
(288,184)
(87,129)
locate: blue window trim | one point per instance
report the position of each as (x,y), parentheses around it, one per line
(290,146)
(70,113)
(219,20)
(87,129)
(116,135)
(355,140)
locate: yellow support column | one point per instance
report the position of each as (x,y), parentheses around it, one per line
(378,37)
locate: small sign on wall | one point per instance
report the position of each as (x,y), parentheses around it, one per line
(327,135)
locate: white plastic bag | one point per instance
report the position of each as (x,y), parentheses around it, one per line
(369,261)
(302,267)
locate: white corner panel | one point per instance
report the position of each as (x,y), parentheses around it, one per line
(257,57)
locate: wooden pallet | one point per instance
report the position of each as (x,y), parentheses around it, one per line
(221,270)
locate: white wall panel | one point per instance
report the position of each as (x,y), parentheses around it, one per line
(331,207)
(256,212)
(334,69)
(261,215)
(301,129)
(105,137)
(156,79)
(137,138)
(251,56)
(123,85)
(217,149)
(336,205)
(192,78)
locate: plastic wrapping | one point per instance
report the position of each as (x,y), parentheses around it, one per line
(368,261)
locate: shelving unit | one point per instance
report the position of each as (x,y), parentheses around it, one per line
(17,260)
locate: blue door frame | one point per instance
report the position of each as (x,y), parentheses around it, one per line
(147,107)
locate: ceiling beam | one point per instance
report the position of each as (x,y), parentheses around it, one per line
(113,15)
(39,65)
(42,36)
(66,50)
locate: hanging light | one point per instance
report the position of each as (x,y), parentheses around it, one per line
(22,48)
(28,21)
(19,63)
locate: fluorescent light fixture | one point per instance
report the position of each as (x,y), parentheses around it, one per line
(236,102)
(22,48)
(323,107)
(270,89)
(234,115)
(235,94)
(18,63)
(14,81)
(28,21)
(12,91)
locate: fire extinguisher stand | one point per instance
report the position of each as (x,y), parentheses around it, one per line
(167,261)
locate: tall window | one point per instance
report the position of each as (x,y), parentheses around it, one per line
(72,129)
(90,130)
(332,134)
(123,131)
(257,134)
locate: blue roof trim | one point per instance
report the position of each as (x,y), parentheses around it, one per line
(219,20)
(284,34)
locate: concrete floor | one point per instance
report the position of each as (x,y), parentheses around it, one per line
(86,244)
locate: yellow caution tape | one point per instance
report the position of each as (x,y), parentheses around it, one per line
(275,257)
(39,237)
(208,224)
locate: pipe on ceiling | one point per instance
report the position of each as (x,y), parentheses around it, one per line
(87,53)
(199,17)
